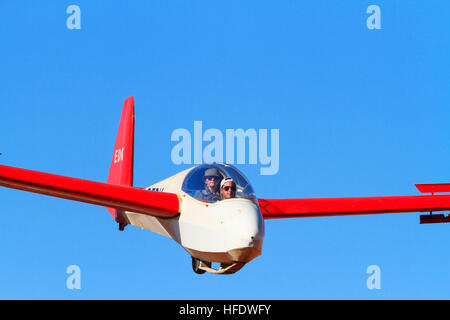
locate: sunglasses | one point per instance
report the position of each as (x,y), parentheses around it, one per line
(211,178)
(228,188)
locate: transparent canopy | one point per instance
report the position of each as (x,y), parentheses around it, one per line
(203,183)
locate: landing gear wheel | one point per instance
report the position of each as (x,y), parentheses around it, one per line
(196,266)
(122,226)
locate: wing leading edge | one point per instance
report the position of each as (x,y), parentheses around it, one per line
(159,204)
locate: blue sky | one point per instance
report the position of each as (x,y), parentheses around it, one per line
(360,113)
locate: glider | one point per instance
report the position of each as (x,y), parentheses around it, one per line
(193,208)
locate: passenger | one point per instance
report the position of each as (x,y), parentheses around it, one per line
(210,193)
(227,189)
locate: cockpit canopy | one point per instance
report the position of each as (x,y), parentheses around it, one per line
(196,182)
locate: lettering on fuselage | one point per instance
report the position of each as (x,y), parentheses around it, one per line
(156,189)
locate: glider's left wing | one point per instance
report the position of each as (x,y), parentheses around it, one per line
(324,207)
(127,198)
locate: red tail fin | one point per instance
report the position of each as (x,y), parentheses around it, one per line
(121,170)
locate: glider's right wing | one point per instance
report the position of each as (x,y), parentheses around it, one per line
(159,204)
(117,195)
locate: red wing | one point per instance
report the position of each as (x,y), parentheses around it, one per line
(323,207)
(133,199)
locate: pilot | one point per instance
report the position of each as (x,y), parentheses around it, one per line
(210,193)
(227,188)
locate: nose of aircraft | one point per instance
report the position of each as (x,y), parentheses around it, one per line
(244,225)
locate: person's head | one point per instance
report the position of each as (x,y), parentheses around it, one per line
(227,189)
(212,178)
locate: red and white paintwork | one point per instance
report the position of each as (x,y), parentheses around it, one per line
(229,231)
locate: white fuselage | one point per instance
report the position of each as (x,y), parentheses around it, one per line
(228,231)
